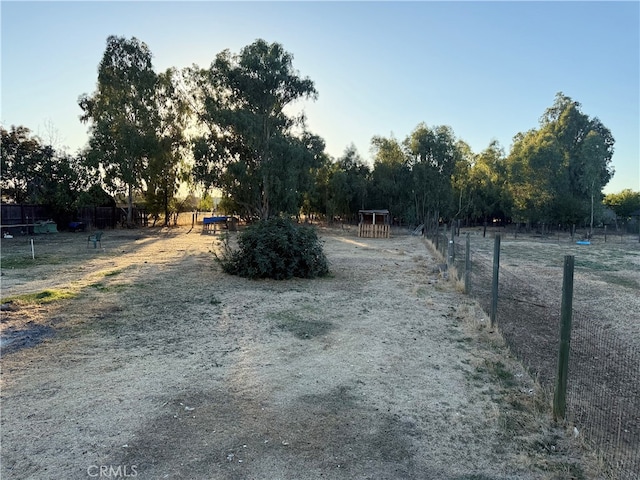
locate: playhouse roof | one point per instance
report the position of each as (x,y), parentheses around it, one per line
(381,212)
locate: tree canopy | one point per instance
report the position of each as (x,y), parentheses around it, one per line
(624,203)
(250,151)
(122,115)
(230,126)
(555,172)
(33,172)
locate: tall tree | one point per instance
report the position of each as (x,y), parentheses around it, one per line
(37,173)
(587,147)
(165,168)
(250,151)
(557,171)
(433,153)
(390,177)
(21,152)
(623,203)
(347,185)
(483,184)
(536,176)
(121,114)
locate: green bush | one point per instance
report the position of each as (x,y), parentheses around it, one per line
(276,248)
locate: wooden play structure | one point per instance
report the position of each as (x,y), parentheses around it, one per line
(374,224)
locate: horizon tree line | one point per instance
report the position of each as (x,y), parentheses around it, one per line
(226,127)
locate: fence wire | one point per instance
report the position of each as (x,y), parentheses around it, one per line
(603,391)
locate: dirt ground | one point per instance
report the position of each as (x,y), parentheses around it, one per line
(158,365)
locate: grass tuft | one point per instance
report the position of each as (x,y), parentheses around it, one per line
(20,262)
(304,329)
(40,298)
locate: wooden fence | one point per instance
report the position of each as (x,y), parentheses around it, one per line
(366,230)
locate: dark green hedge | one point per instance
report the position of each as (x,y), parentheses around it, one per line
(276,248)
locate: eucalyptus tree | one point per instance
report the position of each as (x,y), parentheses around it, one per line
(316,199)
(165,168)
(249,149)
(121,115)
(432,155)
(536,176)
(463,189)
(486,183)
(390,178)
(557,171)
(347,182)
(587,147)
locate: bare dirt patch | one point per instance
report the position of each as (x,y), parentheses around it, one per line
(163,366)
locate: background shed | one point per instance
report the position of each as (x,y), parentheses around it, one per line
(374,223)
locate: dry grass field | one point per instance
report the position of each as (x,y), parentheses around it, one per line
(143,358)
(606,279)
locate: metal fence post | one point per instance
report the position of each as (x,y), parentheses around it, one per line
(451,254)
(494,285)
(560,394)
(467,266)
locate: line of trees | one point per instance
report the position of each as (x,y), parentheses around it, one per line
(228,127)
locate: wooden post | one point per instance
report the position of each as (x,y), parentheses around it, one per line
(560,394)
(494,285)
(605,234)
(467,266)
(573,231)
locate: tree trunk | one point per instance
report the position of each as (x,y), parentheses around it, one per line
(591,224)
(165,198)
(129,205)
(265,213)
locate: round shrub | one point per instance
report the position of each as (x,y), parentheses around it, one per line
(276,248)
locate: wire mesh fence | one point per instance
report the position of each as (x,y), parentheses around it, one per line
(603,391)
(603,395)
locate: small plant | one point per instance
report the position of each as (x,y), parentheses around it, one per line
(504,376)
(275,248)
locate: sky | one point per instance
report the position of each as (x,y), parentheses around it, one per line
(488,70)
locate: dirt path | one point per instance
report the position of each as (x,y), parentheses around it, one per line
(164,367)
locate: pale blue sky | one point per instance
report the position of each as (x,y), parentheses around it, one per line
(487,69)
